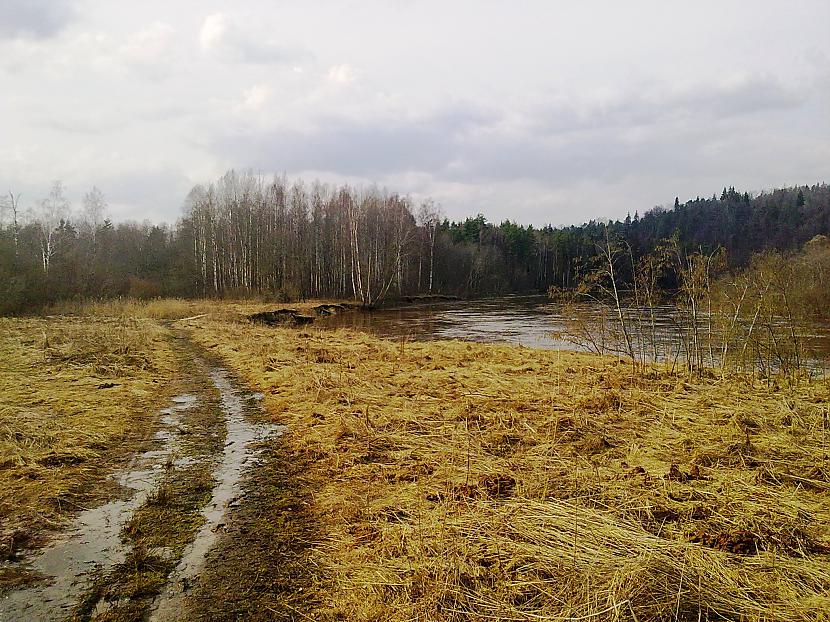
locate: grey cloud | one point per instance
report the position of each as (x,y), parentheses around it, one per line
(154,194)
(757,94)
(373,147)
(262,52)
(35,18)
(465,146)
(700,137)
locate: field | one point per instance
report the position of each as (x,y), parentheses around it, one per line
(446,481)
(461,481)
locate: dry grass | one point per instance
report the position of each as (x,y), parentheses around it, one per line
(456,481)
(76,396)
(171,308)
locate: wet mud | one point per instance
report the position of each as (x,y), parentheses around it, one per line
(281,317)
(92,543)
(239,453)
(83,572)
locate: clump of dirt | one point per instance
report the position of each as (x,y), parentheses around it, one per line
(675,474)
(564,424)
(636,471)
(11,541)
(606,400)
(497,486)
(791,540)
(327,309)
(740,542)
(487,487)
(503,444)
(411,473)
(281,317)
(321,355)
(593,444)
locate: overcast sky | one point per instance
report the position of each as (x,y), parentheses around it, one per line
(537,111)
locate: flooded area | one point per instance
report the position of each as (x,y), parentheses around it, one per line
(92,543)
(532,321)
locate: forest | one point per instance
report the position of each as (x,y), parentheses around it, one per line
(248,234)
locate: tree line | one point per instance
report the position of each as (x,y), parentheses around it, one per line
(247,234)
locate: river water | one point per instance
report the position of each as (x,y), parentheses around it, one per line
(533,321)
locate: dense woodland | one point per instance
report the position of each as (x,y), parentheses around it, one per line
(247,234)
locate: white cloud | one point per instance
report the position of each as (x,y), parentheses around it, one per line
(341,74)
(213,32)
(150,47)
(232,39)
(256,97)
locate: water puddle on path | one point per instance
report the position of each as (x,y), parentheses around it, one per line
(92,542)
(237,456)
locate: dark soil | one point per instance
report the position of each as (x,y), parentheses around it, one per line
(281,317)
(261,568)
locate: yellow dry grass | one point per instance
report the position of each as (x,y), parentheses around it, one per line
(172,308)
(76,395)
(458,481)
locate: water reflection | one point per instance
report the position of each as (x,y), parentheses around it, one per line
(532,321)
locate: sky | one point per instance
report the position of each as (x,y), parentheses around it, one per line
(535,111)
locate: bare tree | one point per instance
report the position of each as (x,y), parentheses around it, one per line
(94,209)
(429,218)
(610,250)
(52,211)
(13,206)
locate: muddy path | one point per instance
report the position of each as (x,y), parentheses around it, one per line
(133,557)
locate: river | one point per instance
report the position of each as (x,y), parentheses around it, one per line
(533,321)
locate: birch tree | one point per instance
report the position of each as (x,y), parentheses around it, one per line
(52,211)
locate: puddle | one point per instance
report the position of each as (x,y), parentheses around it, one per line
(93,540)
(236,457)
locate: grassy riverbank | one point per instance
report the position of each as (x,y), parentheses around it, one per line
(431,480)
(462,481)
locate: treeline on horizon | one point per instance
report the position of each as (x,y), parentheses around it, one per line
(246,234)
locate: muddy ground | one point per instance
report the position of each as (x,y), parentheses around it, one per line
(135,556)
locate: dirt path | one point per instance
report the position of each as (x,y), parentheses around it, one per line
(139,552)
